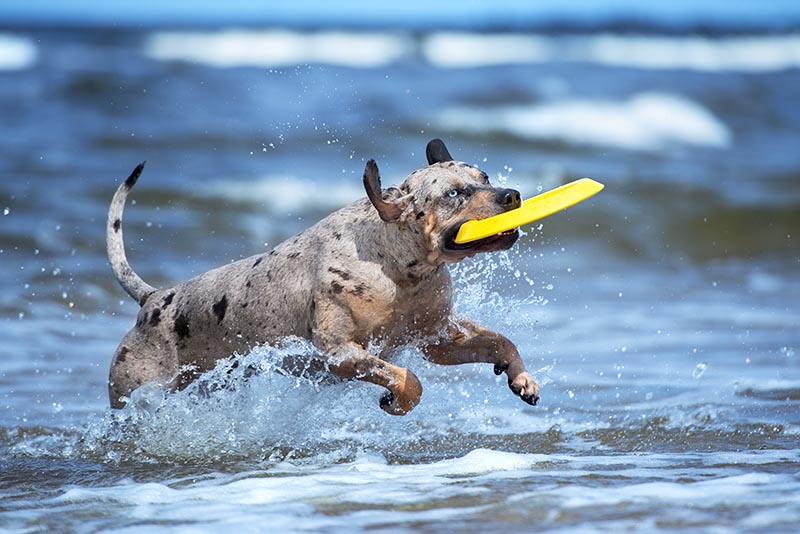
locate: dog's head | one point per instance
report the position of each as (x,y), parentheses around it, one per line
(433,202)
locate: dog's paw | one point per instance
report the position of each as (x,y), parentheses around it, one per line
(403,396)
(525,387)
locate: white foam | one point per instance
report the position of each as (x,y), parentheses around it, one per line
(287,194)
(745,54)
(16,53)
(367,491)
(469,50)
(277,48)
(645,121)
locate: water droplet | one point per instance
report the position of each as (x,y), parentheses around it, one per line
(699,370)
(6,211)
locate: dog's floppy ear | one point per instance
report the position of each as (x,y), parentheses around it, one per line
(391,210)
(437,152)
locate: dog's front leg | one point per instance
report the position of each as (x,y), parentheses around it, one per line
(466,342)
(334,330)
(350,360)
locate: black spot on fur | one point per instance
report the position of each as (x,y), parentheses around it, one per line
(337,236)
(293,255)
(248,284)
(259,260)
(220,308)
(359,290)
(413,263)
(145,296)
(420,215)
(168,299)
(337,287)
(117,225)
(344,275)
(155,317)
(122,354)
(181,327)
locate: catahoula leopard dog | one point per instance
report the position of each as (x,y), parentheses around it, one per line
(373,271)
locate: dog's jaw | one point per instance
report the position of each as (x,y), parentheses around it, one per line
(453,252)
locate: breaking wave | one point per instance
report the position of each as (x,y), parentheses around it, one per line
(277,48)
(285,48)
(283,194)
(763,53)
(645,121)
(16,53)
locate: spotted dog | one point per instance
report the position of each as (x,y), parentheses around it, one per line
(372,271)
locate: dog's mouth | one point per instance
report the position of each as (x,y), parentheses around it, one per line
(500,241)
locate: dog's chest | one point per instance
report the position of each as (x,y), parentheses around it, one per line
(413,313)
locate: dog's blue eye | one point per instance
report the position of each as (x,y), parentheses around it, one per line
(452,194)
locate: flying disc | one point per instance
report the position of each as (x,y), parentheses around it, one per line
(532,209)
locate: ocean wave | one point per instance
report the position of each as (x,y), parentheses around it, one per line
(762,53)
(287,194)
(645,121)
(561,488)
(16,53)
(277,48)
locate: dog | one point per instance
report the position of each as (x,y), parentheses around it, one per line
(374,270)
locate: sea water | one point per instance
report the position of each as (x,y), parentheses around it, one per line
(660,317)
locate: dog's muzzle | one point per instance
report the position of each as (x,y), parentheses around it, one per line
(507,199)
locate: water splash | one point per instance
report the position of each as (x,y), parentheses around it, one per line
(699,370)
(253,409)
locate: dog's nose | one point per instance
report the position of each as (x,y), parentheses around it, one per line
(509,198)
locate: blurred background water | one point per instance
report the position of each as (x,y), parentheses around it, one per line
(661,316)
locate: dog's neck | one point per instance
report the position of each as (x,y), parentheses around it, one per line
(402,252)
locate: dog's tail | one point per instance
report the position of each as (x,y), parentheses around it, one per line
(129,280)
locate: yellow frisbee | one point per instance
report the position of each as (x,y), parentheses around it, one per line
(531,210)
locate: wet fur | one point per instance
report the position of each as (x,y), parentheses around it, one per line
(373,270)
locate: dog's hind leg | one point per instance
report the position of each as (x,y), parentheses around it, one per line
(140,360)
(466,342)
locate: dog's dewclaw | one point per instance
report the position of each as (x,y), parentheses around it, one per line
(531,210)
